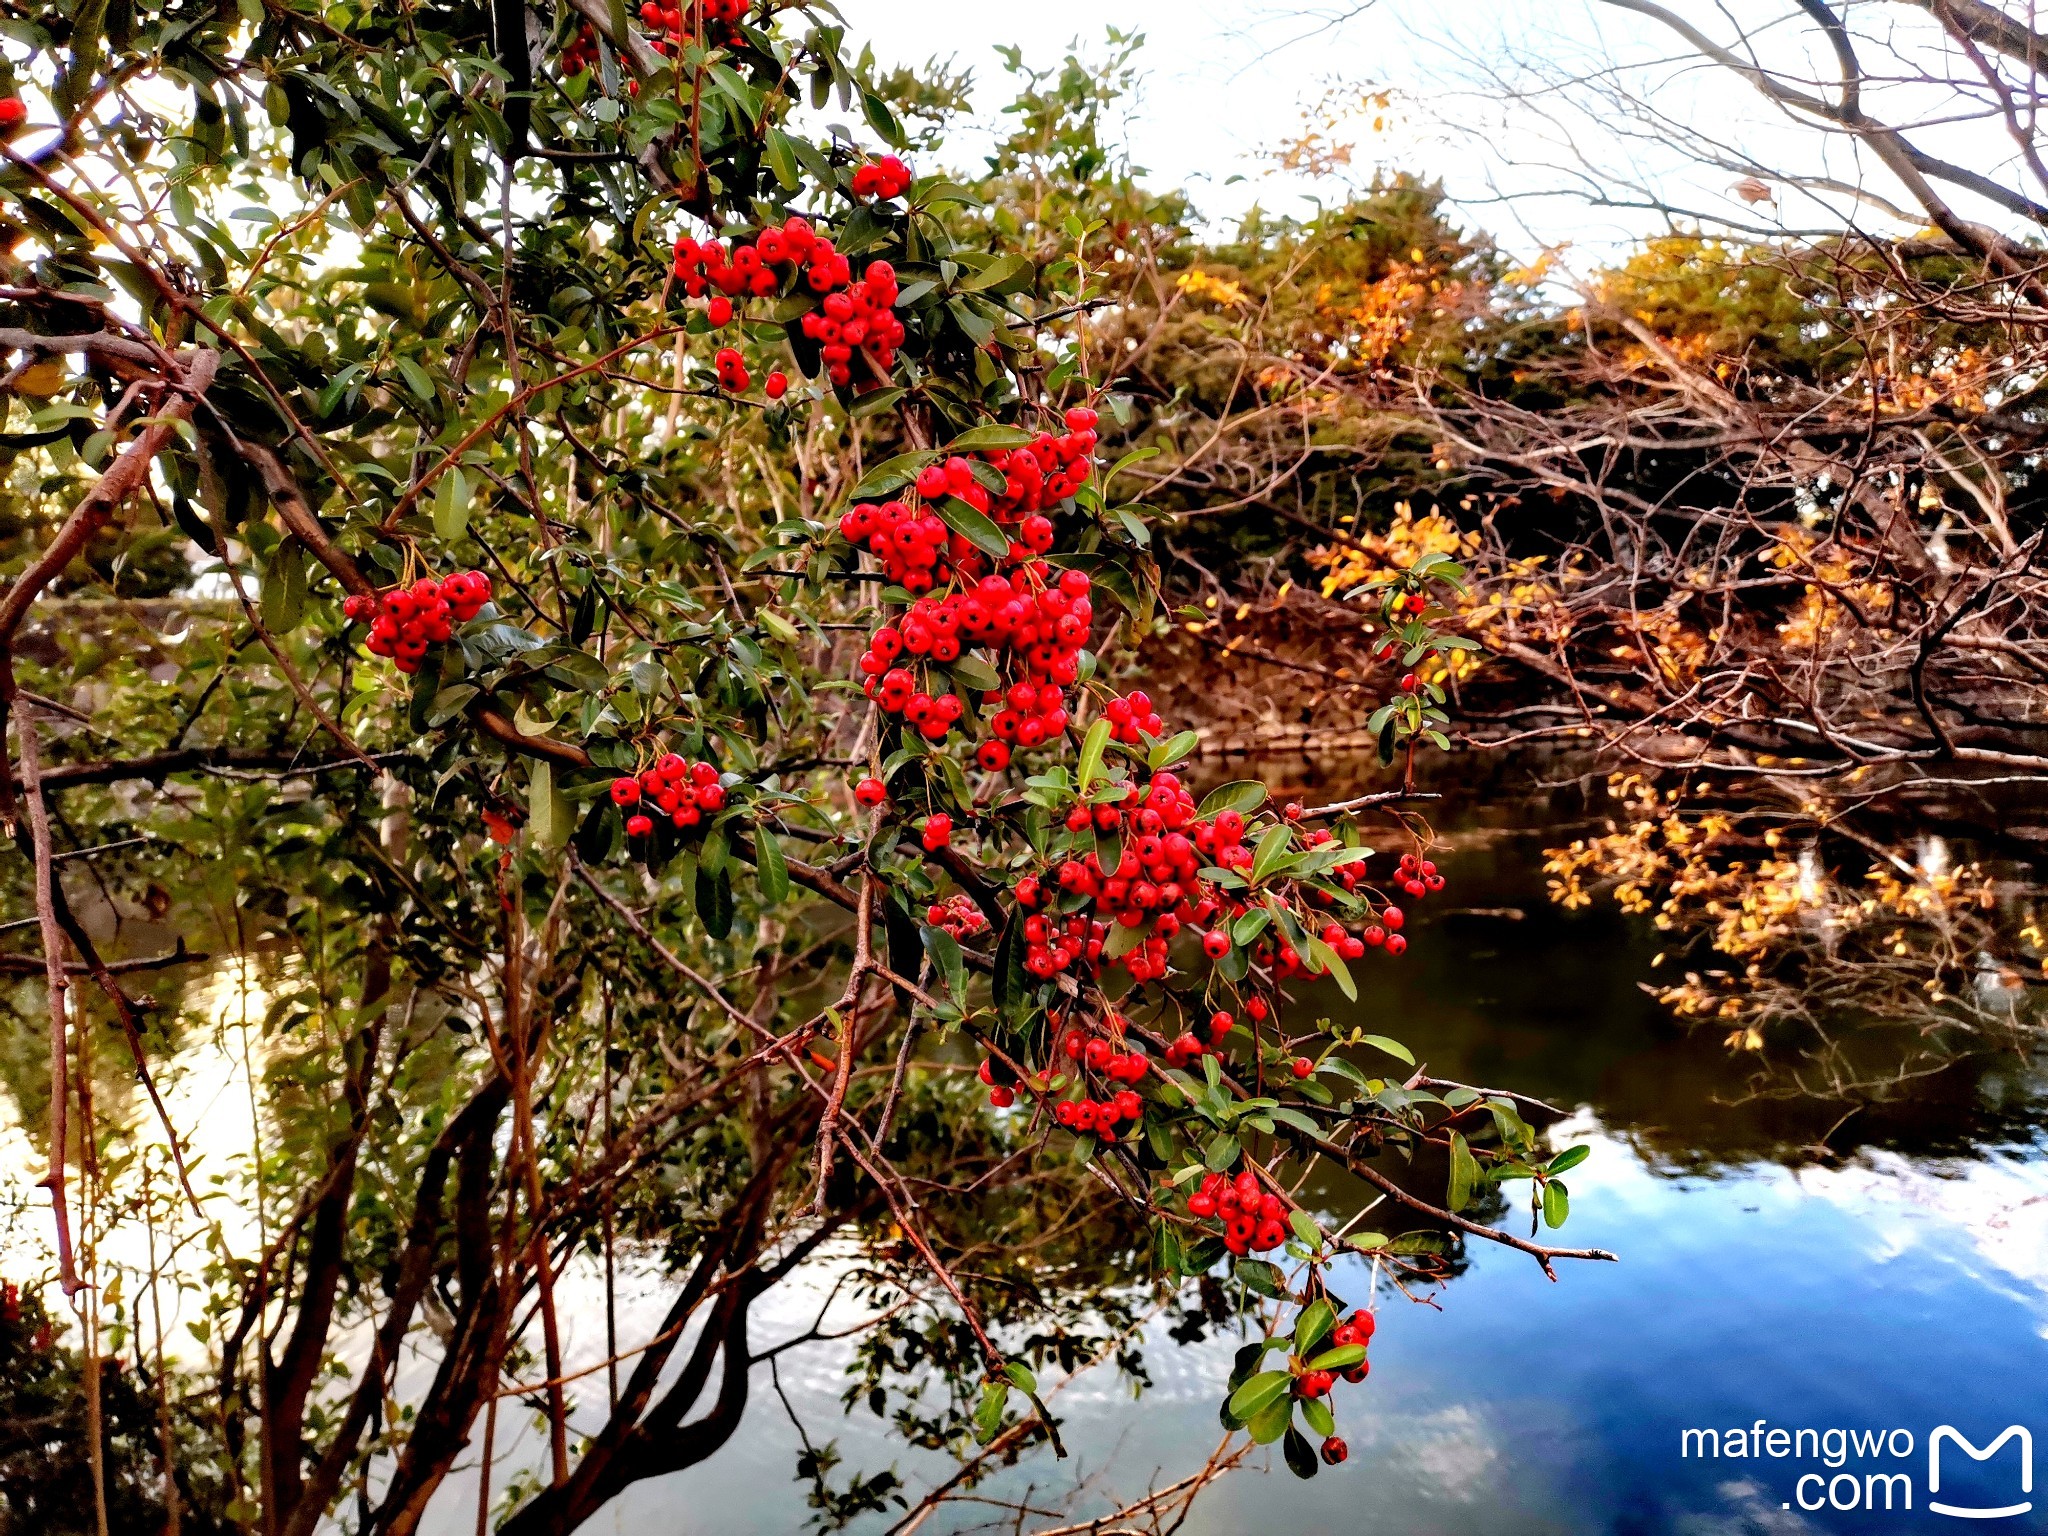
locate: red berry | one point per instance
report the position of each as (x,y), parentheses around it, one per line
(1409,683)
(625,791)
(1215,943)
(1334,1451)
(719,312)
(871,792)
(13,112)
(638,825)
(776,385)
(1302,1066)
(1396,944)
(1002,1098)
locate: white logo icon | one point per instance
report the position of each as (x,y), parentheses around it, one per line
(1948,1432)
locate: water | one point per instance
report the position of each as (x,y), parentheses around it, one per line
(1898,1282)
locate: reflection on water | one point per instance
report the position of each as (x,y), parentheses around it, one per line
(1896,1278)
(1780,1261)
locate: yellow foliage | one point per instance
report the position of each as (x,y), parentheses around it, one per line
(1197,284)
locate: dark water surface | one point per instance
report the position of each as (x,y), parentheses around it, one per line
(1898,1284)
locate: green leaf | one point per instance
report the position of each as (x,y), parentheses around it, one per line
(283,599)
(547,812)
(891,474)
(1418,1242)
(1221,1153)
(1271,850)
(1305,1228)
(1342,1358)
(1241,795)
(1172,750)
(451,506)
(1262,1277)
(1006,274)
(973,526)
(1557,1204)
(1315,1413)
(1122,940)
(1326,960)
(1465,1175)
(448,703)
(946,957)
(416,379)
(743,95)
(714,901)
(993,435)
(1272,1421)
(1314,1324)
(781,157)
(1092,746)
(1366,1242)
(1299,1454)
(1568,1159)
(1393,1048)
(988,1414)
(874,405)
(1021,1376)
(770,866)
(975,673)
(882,120)
(1251,1399)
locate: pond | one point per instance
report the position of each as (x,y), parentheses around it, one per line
(1891,1284)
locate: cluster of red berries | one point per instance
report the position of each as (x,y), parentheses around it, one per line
(684,791)
(732,370)
(1027,620)
(1086,1117)
(1040,474)
(1287,961)
(1102,1055)
(862,319)
(937,832)
(1156,884)
(882,178)
(1132,717)
(959,916)
(666,21)
(581,53)
(1357,1329)
(1418,876)
(918,552)
(1002,1082)
(854,316)
(1108,1054)
(406,620)
(1188,1047)
(1254,1219)
(751,270)
(1052,945)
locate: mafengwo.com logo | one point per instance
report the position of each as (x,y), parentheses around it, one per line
(1872,1471)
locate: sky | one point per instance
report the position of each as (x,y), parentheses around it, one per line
(1478,102)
